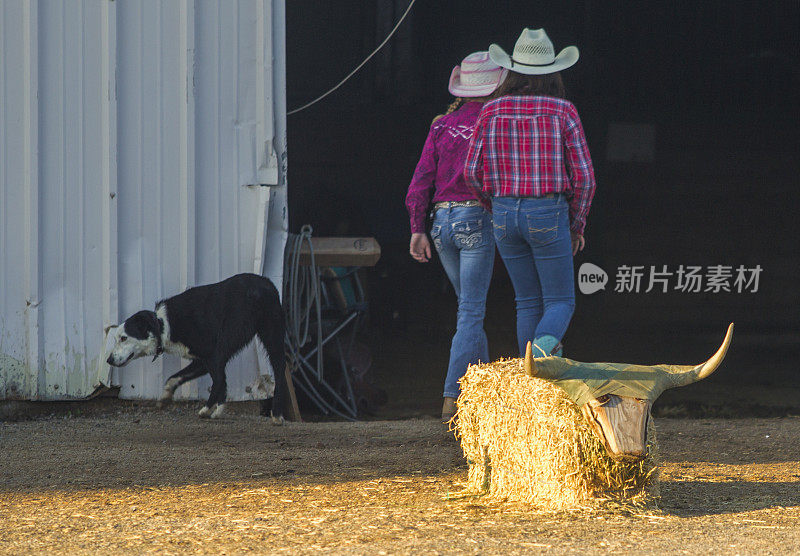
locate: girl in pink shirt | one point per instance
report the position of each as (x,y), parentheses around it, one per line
(462,227)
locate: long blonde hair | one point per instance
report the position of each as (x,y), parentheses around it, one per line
(450,109)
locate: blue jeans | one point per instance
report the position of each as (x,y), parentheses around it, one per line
(464,240)
(533,238)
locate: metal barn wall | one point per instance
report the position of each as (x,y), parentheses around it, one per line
(142,151)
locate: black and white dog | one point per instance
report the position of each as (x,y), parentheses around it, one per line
(209,324)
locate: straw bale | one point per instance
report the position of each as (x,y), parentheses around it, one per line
(526,441)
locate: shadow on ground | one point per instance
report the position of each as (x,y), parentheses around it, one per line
(701,498)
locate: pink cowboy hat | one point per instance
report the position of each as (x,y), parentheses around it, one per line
(477,76)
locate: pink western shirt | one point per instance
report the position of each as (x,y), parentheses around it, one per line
(440,171)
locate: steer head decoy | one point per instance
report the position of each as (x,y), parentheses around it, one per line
(616,398)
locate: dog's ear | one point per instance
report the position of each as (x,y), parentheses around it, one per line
(142,324)
(156,324)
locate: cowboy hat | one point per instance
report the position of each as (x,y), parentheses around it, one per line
(534,54)
(477,76)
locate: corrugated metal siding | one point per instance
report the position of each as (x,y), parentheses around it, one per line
(126,181)
(19,283)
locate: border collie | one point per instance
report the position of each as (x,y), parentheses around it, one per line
(209,325)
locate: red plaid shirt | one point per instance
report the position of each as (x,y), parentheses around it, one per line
(528,147)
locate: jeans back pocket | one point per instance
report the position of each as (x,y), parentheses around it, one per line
(468,234)
(543,227)
(499,224)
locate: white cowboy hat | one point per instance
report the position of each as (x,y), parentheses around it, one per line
(477,76)
(534,54)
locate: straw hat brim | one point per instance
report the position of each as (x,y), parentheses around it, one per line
(459,89)
(565,59)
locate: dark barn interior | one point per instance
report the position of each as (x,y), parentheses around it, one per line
(690,117)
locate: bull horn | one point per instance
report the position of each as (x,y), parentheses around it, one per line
(711,365)
(530,367)
(703,370)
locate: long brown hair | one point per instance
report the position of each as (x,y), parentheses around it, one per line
(520,84)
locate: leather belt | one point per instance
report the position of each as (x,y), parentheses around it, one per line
(547,196)
(452,204)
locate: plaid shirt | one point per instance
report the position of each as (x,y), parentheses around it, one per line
(527,146)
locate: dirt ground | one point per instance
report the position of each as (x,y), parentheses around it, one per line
(136,479)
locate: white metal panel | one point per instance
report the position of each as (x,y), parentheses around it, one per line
(132,134)
(17,48)
(70,175)
(149,141)
(32,297)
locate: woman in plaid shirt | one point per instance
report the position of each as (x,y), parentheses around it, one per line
(528,158)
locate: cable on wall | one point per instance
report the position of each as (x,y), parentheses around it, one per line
(358,67)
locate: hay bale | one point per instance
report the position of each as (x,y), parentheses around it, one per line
(526,441)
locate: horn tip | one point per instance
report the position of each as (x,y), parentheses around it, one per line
(528,364)
(728,335)
(711,365)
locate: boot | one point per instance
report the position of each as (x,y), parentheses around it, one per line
(448,409)
(547,345)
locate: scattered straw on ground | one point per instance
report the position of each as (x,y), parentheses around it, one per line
(149,481)
(526,441)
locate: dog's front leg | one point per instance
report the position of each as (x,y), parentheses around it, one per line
(189,372)
(219,393)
